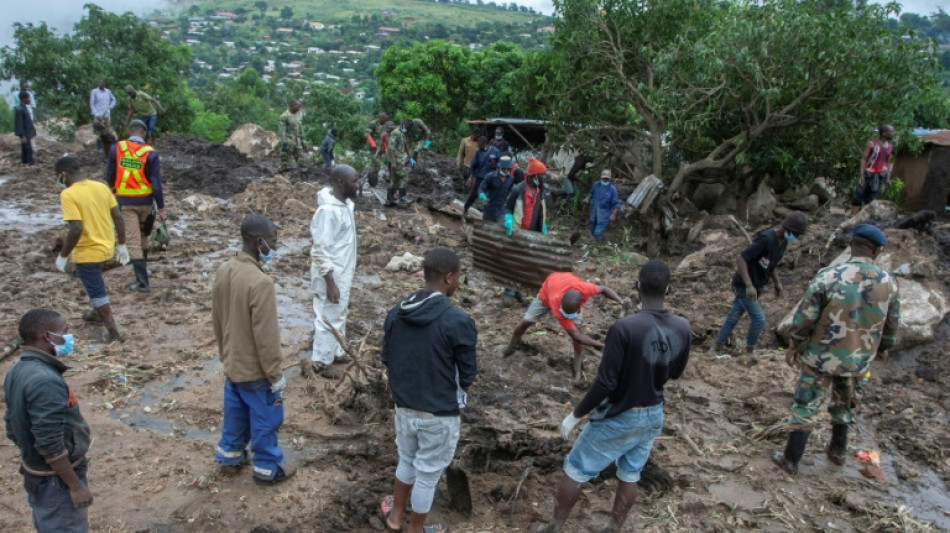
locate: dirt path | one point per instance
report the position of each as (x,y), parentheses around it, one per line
(154,403)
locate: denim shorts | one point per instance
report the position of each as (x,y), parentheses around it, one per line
(625,439)
(90,274)
(425,442)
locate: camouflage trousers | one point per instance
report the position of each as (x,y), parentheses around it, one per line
(292,156)
(810,395)
(398,177)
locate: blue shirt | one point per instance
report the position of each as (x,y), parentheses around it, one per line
(481,163)
(603,200)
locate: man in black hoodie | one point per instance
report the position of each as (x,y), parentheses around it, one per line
(429,351)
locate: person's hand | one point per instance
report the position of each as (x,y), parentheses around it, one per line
(279,386)
(751,292)
(333,293)
(412,162)
(161,214)
(61,263)
(613,215)
(482,197)
(509,223)
(587,200)
(428,144)
(778,289)
(544,228)
(793,357)
(81,496)
(568,425)
(123,255)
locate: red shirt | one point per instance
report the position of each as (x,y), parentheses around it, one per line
(879,157)
(553,289)
(530,197)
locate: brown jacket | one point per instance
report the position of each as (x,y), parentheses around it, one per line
(244,309)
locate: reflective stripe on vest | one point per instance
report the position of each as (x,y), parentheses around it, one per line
(130,177)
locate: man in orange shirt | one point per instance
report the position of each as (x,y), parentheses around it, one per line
(563,295)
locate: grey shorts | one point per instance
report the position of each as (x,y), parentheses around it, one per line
(537,310)
(425,442)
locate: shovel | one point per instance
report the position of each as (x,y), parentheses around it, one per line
(460,493)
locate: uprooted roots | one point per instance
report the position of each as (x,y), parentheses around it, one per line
(362,395)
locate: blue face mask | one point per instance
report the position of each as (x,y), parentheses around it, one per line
(66,348)
(789,237)
(265,258)
(536,183)
(499,137)
(569,316)
(605,182)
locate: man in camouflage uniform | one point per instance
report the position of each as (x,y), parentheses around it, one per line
(374,141)
(397,154)
(292,149)
(417,136)
(849,315)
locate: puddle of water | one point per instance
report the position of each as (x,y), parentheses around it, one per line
(153,392)
(4,179)
(15,217)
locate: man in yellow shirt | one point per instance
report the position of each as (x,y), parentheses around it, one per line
(94,220)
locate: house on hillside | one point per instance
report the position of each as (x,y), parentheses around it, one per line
(383,32)
(317,26)
(228,44)
(285,30)
(546,29)
(223,15)
(315,50)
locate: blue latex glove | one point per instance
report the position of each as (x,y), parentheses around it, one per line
(482,197)
(412,162)
(428,144)
(544,228)
(509,223)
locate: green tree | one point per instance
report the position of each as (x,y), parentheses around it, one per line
(119,48)
(246,99)
(287,13)
(209,125)
(430,80)
(261,6)
(740,89)
(327,108)
(6,118)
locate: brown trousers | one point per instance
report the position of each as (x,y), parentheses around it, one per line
(134,216)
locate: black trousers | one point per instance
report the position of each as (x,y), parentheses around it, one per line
(26,152)
(476,183)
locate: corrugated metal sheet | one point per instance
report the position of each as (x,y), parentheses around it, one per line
(642,197)
(941,137)
(524,258)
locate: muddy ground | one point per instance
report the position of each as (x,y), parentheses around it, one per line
(154,402)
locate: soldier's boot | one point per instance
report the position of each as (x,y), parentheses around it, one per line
(390,197)
(794,450)
(403,200)
(838,448)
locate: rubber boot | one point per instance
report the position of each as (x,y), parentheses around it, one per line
(838,449)
(390,194)
(402,197)
(794,450)
(141,275)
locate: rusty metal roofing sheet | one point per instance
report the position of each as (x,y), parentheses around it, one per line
(941,137)
(524,258)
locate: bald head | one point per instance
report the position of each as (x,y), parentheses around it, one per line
(345,180)
(571,301)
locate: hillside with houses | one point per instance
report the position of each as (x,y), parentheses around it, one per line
(339,48)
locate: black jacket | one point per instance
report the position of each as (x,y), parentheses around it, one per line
(429,350)
(43,417)
(23,122)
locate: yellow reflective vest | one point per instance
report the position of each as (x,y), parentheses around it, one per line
(130,179)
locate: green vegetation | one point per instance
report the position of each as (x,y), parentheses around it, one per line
(119,48)
(6,118)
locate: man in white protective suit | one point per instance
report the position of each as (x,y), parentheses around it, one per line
(332,265)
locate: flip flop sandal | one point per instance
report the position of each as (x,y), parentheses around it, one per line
(386,507)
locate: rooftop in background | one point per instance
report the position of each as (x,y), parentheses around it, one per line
(941,137)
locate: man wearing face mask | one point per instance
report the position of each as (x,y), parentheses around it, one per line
(484,164)
(526,207)
(91,212)
(43,419)
(604,204)
(332,266)
(850,315)
(494,190)
(244,315)
(499,142)
(563,295)
(754,267)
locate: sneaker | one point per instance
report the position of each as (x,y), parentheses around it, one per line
(716,351)
(137,287)
(231,470)
(91,316)
(284,472)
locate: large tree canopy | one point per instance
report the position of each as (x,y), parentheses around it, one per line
(785,87)
(120,48)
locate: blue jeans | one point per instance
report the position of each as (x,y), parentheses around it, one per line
(90,274)
(252,413)
(626,439)
(739,306)
(53,510)
(327,159)
(598,227)
(150,122)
